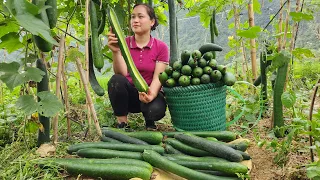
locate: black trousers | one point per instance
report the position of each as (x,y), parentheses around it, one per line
(124,98)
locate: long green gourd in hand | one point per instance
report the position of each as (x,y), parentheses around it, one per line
(137,79)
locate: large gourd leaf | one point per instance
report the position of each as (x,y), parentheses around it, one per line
(11,42)
(27,104)
(12,77)
(7,26)
(49,104)
(25,14)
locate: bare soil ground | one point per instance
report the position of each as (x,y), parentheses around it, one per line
(264,168)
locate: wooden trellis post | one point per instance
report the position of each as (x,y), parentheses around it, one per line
(252,41)
(58,85)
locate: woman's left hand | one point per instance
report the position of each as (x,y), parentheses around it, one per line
(147,97)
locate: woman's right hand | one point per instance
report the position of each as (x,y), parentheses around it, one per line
(113,42)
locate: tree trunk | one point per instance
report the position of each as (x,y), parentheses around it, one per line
(173,32)
(252,41)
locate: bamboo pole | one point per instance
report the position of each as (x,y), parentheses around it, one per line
(294,28)
(241,48)
(85,85)
(236,16)
(252,41)
(286,26)
(87,58)
(58,83)
(280,27)
(285,42)
(293,37)
(66,100)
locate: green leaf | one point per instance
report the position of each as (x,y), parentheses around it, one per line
(299,16)
(256,6)
(251,33)
(300,53)
(205,19)
(11,42)
(41,6)
(32,127)
(9,6)
(12,79)
(261,143)
(313,172)
(27,104)
(231,26)
(230,54)
(33,74)
(317,115)
(73,54)
(36,27)
(230,14)
(49,104)
(7,26)
(280,59)
(159,11)
(29,7)
(9,67)
(191,13)
(250,117)
(189,3)
(288,99)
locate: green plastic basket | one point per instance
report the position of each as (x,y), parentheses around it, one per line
(197,108)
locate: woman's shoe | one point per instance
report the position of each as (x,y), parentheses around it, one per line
(122,125)
(151,127)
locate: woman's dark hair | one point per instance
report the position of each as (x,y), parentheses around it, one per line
(151,14)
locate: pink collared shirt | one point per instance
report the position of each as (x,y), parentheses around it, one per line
(146,58)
